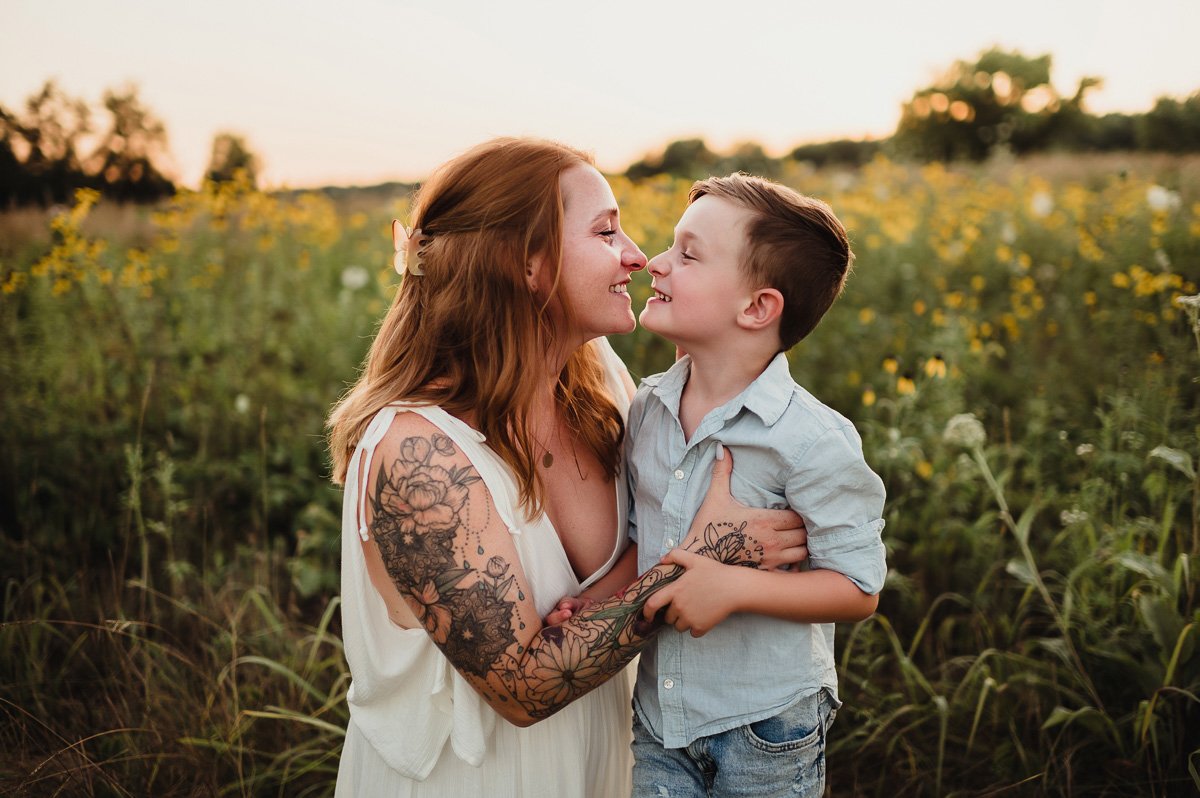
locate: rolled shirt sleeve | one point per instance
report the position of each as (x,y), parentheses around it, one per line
(841,501)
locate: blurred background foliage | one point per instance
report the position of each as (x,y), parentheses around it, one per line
(1019,346)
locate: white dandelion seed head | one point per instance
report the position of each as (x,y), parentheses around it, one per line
(1041,204)
(355,277)
(1073,516)
(242,404)
(1162,199)
(965,430)
(1084,449)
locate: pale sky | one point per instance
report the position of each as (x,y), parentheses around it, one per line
(362,91)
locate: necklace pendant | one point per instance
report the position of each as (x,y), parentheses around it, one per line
(547,460)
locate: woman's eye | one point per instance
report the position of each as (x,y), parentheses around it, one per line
(609,234)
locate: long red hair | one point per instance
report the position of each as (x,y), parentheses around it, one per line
(465,334)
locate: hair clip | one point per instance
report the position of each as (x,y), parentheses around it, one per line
(408,245)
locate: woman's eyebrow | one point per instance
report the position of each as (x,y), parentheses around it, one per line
(604,215)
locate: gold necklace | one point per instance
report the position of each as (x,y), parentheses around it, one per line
(548,456)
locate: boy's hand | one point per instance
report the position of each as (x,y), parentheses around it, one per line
(700,599)
(566,607)
(779,535)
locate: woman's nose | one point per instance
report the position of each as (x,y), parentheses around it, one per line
(632,257)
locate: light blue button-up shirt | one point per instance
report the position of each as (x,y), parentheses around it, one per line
(789,450)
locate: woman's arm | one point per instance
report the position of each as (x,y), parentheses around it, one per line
(452,559)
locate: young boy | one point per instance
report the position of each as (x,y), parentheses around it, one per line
(741,707)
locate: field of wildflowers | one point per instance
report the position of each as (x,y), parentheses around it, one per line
(1019,346)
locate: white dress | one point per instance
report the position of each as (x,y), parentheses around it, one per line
(417,728)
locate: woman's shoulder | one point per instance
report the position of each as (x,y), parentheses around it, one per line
(423,432)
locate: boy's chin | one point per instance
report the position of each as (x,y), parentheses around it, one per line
(647,322)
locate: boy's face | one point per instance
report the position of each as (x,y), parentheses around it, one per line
(699,288)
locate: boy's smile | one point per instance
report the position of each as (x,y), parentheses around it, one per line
(699,287)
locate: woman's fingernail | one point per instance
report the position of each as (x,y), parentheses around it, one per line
(720,451)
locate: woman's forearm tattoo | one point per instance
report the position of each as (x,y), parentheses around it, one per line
(471,605)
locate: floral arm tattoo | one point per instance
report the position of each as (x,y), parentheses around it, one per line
(475,610)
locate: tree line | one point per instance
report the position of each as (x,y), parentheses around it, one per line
(1001,100)
(53,146)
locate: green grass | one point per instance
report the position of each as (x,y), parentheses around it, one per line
(170,539)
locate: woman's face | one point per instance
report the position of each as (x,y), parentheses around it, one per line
(598,258)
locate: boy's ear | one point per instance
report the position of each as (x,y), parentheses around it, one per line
(764,309)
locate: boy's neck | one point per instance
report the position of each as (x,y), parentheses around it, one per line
(718,375)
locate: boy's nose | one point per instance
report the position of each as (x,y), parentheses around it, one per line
(658,265)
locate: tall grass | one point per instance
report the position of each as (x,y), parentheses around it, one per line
(1012,346)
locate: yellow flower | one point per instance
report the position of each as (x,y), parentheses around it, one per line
(866,316)
(906,385)
(890,364)
(919,307)
(935,367)
(868,396)
(924,469)
(1120,280)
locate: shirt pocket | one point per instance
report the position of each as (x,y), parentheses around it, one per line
(750,493)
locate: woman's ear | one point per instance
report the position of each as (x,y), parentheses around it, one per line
(764,309)
(533,271)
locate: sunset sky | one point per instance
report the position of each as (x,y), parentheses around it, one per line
(369,90)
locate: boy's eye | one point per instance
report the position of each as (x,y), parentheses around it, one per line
(687,255)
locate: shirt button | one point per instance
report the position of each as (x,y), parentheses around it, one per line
(678,474)
(668,683)
(670,542)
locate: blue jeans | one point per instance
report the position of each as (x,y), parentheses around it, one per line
(779,756)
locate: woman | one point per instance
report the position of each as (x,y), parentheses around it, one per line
(480,450)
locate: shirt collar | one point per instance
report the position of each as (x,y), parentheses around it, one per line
(767,396)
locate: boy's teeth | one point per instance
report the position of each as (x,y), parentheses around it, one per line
(662,296)
(622,288)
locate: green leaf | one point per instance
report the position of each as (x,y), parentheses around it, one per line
(1161,619)
(1090,718)
(1019,569)
(1146,566)
(1026,522)
(1178,459)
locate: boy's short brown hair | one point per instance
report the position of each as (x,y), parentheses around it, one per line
(794,244)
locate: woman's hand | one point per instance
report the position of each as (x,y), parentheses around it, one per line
(772,538)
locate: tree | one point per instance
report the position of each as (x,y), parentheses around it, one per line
(40,148)
(690,158)
(750,158)
(230,155)
(125,162)
(1001,99)
(1171,125)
